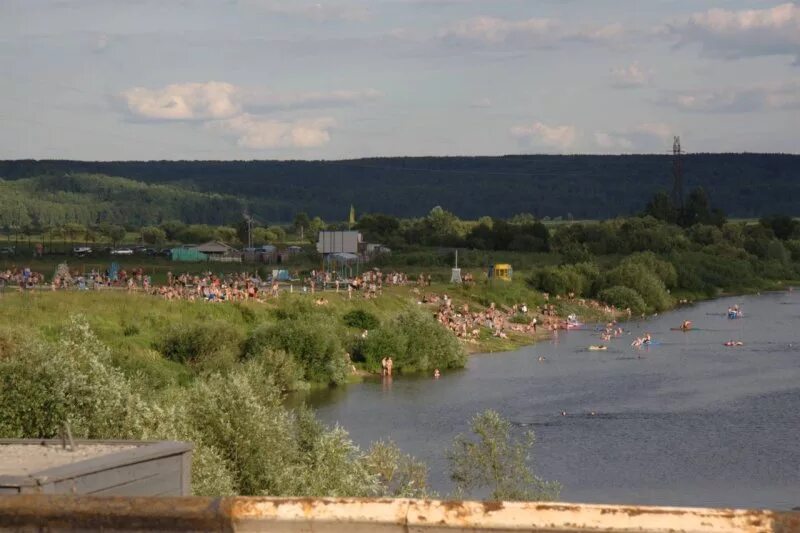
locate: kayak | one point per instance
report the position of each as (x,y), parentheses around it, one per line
(681,329)
(598,348)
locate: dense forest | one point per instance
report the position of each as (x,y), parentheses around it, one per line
(583,187)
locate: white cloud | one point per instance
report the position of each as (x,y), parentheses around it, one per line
(532,32)
(539,134)
(630,76)
(244,113)
(257,133)
(183,101)
(752,32)
(644,137)
(779,96)
(217,100)
(491,30)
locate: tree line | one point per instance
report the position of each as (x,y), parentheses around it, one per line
(585,187)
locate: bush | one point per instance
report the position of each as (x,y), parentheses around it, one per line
(384,342)
(623,298)
(699,271)
(640,278)
(314,345)
(520,318)
(415,342)
(44,386)
(573,253)
(400,475)
(212,345)
(579,279)
(494,460)
(793,246)
(281,367)
(246,441)
(360,319)
(663,269)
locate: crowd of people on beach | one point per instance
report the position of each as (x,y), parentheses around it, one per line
(22,278)
(466,324)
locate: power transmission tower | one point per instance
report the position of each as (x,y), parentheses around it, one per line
(677,174)
(249,220)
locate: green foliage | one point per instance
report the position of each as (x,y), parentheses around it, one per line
(43,387)
(153,235)
(415,342)
(315,346)
(663,269)
(211,345)
(520,318)
(580,279)
(623,298)
(661,207)
(705,273)
(793,246)
(589,187)
(494,460)
(782,226)
(637,276)
(283,369)
(361,319)
(246,441)
(399,474)
(573,253)
(387,341)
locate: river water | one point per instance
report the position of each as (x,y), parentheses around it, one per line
(686,421)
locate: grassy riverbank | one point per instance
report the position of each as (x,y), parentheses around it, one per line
(147,335)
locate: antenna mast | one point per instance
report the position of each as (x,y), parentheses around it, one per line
(677,174)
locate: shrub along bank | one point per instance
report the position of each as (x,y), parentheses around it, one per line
(246,441)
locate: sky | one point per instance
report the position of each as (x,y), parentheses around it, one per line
(335,79)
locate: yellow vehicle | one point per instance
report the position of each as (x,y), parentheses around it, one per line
(503,271)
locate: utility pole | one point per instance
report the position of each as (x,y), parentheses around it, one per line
(677,174)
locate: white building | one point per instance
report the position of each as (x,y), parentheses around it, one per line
(338,242)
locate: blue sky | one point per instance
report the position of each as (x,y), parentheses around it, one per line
(295,79)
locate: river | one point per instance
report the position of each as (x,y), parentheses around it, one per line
(685,422)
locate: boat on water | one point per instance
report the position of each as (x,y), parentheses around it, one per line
(572,323)
(598,348)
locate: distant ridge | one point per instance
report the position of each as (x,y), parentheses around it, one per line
(583,186)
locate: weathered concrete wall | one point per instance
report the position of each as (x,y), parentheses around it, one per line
(142,468)
(323,515)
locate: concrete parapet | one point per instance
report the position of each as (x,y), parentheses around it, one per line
(334,515)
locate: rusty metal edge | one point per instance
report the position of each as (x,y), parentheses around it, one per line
(253,513)
(116,513)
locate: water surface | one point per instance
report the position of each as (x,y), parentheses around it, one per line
(685,422)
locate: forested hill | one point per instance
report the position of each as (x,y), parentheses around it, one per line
(744,185)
